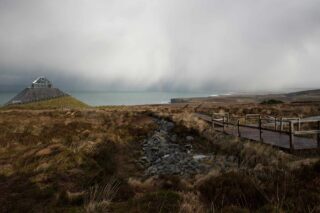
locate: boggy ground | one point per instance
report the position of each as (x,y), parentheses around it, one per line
(89,160)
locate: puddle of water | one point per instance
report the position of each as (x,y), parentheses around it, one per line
(199,157)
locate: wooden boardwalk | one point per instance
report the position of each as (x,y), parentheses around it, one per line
(267,136)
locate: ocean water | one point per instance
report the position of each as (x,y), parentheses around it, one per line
(6,96)
(132,98)
(121,98)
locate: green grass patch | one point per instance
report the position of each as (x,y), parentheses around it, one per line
(55,103)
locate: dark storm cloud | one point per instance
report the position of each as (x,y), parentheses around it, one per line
(161,45)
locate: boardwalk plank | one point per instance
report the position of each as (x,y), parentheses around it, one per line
(277,139)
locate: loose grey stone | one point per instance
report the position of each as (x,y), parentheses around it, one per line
(190,138)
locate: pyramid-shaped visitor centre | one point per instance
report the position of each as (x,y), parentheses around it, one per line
(40,89)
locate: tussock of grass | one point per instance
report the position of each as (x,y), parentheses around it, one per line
(139,186)
(98,198)
(55,103)
(191,203)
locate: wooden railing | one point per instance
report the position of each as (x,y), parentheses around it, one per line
(294,125)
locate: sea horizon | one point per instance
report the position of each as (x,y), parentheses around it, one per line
(114,98)
(100,98)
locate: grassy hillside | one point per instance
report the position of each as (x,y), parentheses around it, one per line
(56,103)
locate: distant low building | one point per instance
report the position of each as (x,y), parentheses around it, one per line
(41,82)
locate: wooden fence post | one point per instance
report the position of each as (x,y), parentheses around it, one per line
(223,124)
(212,122)
(281,125)
(227,119)
(299,124)
(318,135)
(239,134)
(291,135)
(275,123)
(260,128)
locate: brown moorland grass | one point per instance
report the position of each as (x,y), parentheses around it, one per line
(67,151)
(54,158)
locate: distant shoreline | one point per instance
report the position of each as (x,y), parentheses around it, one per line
(148,98)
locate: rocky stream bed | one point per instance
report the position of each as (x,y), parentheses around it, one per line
(163,156)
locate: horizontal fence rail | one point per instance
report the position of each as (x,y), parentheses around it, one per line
(287,126)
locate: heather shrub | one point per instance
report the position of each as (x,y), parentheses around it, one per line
(231,189)
(303,189)
(104,155)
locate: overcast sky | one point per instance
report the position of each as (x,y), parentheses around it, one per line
(161,44)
